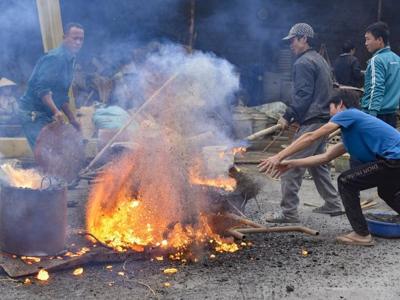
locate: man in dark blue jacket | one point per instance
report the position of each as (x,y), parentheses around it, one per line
(309,109)
(48,86)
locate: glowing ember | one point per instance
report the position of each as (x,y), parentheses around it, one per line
(170,271)
(43,275)
(239,150)
(30,259)
(167,284)
(121,273)
(21,178)
(77,272)
(27,281)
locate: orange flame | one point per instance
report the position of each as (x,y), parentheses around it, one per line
(146,198)
(21,178)
(239,150)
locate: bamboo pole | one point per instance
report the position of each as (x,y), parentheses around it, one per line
(132,118)
(264,132)
(236,234)
(50,23)
(191,25)
(379,17)
(301,229)
(241,220)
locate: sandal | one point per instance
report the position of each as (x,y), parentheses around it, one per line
(347,240)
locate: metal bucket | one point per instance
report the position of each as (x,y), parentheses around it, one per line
(33,222)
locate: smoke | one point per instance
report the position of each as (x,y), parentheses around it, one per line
(178,134)
(19,31)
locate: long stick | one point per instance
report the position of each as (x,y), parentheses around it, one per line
(273,141)
(242,220)
(132,118)
(278,229)
(263,132)
(235,234)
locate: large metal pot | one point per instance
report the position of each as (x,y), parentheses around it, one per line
(33,222)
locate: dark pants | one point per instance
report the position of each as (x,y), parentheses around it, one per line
(383,174)
(32,125)
(390,119)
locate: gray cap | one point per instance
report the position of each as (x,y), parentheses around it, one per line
(300,29)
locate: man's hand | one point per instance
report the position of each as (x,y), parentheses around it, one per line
(58,116)
(269,164)
(283,122)
(274,167)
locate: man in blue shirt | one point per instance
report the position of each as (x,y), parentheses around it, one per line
(371,141)
(48,86)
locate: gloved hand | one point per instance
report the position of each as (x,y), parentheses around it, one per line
(283,122)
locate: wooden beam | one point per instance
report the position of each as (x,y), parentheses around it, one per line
(50,23)
(379,10)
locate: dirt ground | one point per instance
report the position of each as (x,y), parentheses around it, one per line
(272,268)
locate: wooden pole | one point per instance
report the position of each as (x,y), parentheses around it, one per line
(132,118)
(379,10)
(301,229)
(191,25)
(50,23)
(264,132)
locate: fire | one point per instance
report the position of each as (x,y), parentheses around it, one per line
(239,150)
(77,271)
(228,184)
(223,182)
(150,198)
(125,220)
(21,178)
(43,275)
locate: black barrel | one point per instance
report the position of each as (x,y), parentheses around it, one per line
(33,222)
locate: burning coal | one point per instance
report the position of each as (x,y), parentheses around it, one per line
(156,195)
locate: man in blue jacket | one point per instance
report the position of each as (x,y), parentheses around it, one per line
(382,77)
(371,141)
(47,94)
(309,109)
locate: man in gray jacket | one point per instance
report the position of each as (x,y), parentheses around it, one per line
(309,109)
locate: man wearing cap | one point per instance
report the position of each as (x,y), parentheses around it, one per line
(382,77)
(48,86)
(309,109)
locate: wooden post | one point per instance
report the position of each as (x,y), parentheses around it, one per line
(52,31)
(379,10)
(50,23)
(191,25)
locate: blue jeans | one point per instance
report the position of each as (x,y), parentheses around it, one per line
(32,123)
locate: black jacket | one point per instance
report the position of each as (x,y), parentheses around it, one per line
(312,86)
(347,70)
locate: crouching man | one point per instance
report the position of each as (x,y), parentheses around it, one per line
(366,138)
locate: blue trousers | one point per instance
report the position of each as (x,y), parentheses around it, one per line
(32,123)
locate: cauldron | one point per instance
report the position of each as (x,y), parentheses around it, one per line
(33,222)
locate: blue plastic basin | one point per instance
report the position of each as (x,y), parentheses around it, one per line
(383,229)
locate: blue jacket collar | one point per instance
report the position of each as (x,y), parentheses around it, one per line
(385,49)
